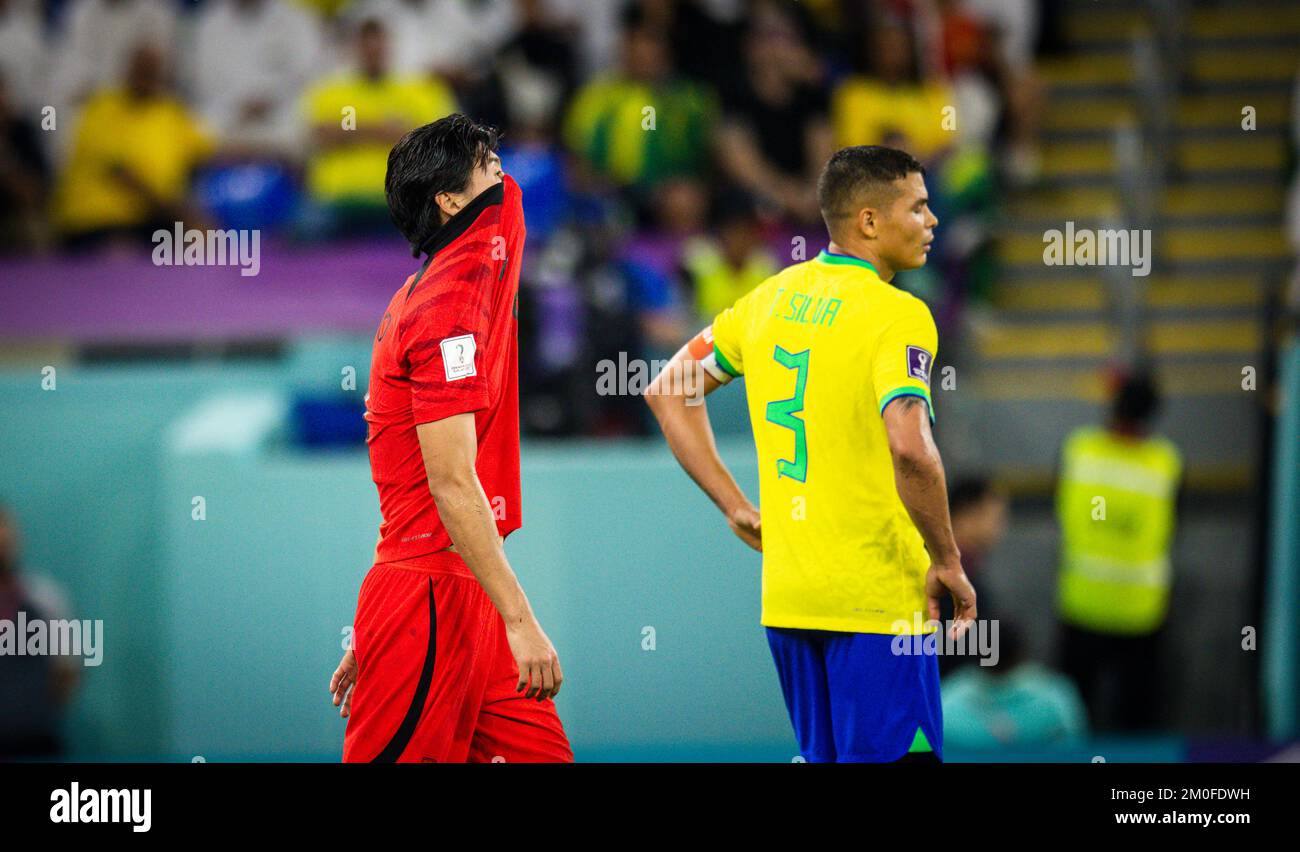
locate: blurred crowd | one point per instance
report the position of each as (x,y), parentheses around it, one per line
(1291,224)
(668,149)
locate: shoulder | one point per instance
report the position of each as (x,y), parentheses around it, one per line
(176,110)
(1080,436)
(853,89)
(45,594)
(102,103)
(909,303)
(1081,433)
(420,84)
(793,272)
(1164,444)
(434,304)
(335,83)
(1167,449)
(897,305)
(743,313)
(694,94)
(936,92)
(599,88)
(780,279)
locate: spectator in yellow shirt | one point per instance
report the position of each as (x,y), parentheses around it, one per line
(720,270)
(356,117)
(609,122)
(134,149)
(893,105)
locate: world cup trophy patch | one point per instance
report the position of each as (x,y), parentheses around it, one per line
(919,362)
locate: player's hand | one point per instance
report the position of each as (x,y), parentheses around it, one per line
(951,579)
(345,677)
(747,525)
(539,665)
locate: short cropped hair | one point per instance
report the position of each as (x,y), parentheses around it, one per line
(857,176)
(435,158)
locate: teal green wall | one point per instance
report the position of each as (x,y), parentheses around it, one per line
(1280,683)
(220,634)
(255,598)
(79,469)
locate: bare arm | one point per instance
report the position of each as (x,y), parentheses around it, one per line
(676,397)
(744,161)
(449,448)
(918,474)
(919,477)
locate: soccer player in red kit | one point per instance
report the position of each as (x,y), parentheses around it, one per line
(449,663)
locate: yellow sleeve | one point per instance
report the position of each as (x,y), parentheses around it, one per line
(199,139)
(905,356)
(584,114)
(728,335)
(95,138)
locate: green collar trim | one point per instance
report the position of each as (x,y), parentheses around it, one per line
(844,260)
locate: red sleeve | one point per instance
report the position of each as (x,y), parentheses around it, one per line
(444,339)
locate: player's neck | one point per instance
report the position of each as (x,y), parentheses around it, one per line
(885,272)
(1127,429)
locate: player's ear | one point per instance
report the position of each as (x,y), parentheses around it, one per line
(867,221)
(447,203)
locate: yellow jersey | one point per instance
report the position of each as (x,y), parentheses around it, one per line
(824,346)
(157,139)
(355,172)
(867,112)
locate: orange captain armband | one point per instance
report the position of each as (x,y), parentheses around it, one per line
(701,349)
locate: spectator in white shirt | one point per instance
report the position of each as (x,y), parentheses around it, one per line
(443,37)
(250,63)
(98,38)
(22,54)
(598,26)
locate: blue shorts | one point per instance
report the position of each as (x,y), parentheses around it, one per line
(853,700)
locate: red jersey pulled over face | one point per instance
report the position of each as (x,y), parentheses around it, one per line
(436,676)
(448,345)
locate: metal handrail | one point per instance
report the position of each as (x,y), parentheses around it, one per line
(1146,154)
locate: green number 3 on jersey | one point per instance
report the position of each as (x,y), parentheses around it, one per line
(782,413)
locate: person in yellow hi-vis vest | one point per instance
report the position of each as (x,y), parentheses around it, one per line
(1115,502)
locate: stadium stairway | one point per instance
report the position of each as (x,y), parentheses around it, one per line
(1038,357)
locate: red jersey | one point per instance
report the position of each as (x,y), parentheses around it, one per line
(447,345)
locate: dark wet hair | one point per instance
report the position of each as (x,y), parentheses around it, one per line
(435,158)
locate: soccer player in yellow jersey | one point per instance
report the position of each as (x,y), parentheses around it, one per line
(854,530)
